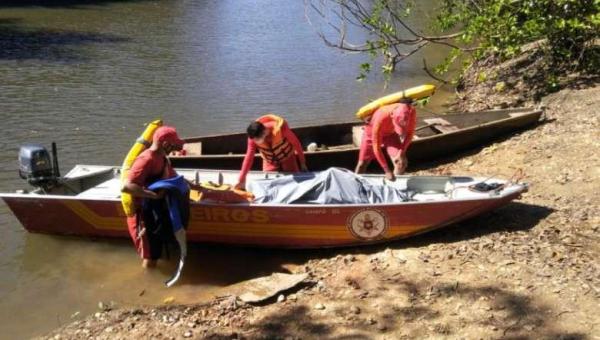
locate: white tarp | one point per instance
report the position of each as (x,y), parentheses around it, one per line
(332,186)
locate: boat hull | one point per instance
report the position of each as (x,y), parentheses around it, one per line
(281,226)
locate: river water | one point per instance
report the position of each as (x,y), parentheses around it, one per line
(89,74)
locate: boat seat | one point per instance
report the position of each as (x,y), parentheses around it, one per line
(428,184)
(441,125)
(429,197)
(193,149)
(108,189)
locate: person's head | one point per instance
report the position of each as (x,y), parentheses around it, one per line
(401,115)
(166,138)
(257,131)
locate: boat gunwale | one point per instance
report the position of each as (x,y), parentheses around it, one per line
(517,188)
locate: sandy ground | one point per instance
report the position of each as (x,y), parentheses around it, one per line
(528,270)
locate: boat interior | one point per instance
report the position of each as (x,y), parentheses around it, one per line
(103,183)
(348,135)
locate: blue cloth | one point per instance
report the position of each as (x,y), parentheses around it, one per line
(177,197)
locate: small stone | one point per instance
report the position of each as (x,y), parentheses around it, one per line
(401,259)
(187,334)
(108,329)
(381,327)
(281,298)
(355,309)
(349,258)
(319,306)
(371,321)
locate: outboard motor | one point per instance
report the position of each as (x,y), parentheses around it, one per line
(36,166)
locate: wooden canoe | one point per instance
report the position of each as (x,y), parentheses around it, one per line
(87,203)
(439,136)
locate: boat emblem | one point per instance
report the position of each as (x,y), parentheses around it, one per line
(368,224)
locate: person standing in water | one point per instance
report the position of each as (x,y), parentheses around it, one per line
(150,166)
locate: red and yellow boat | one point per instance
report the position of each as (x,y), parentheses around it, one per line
(86,202)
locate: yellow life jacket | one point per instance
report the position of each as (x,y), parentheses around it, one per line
(220,193)
(279,149)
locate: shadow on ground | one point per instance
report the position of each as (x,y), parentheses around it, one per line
(223,265)
(20,43)
(483,310)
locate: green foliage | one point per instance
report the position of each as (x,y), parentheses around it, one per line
(422,102)
(500,28)
(565,32)
(365,68)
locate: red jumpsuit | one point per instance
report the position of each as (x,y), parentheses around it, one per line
(289,163)
(386,126)
(147,168)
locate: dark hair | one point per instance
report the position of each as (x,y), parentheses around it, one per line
(405,100)
(255,129)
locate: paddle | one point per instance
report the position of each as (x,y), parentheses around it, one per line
(181,240)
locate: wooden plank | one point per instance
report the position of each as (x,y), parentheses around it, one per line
(441,125)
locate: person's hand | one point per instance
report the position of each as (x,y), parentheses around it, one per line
(240,186)
(400,164)
(390,176)
(158,195)
(303,167)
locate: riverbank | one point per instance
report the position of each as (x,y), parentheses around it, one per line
(527,270)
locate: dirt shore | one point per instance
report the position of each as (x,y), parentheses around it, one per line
(528,270)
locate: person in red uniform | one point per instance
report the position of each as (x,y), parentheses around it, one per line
(392,127)
(151,165)
(279,147)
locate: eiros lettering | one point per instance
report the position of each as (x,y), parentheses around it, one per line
(213,214)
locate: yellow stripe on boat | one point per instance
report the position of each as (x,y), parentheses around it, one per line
(232,229)
(415,93)
(93,219)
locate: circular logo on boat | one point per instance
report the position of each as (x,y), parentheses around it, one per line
(368,224)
